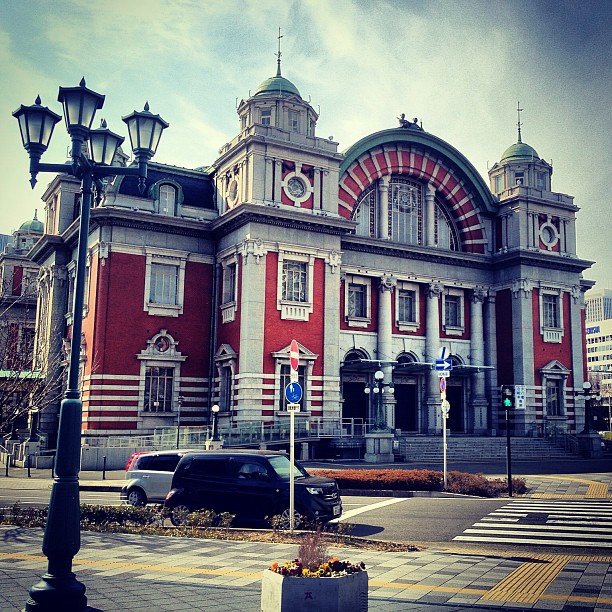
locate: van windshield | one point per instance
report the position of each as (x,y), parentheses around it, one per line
(282,465)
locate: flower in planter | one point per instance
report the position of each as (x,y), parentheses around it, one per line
(332,568)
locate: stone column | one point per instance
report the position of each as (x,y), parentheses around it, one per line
(490,341)
(432,416)
(385,344)
(430,216)
(278,175)
(268,186)
(383,207)
(477,420)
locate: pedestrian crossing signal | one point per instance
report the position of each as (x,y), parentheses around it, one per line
(507,393)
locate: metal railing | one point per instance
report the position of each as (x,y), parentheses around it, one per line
(245,434)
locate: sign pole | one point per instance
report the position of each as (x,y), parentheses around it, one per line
(508,453)
(291,473)
(444,445)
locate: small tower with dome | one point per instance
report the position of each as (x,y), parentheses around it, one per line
(277,159)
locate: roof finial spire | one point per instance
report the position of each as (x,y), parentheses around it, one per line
(278,55)
(518,124)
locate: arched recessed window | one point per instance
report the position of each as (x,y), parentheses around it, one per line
(167,200)
(405,215)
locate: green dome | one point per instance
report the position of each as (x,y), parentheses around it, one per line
(32,227)
(277,86)
(520,151)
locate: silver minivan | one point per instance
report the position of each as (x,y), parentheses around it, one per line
(149,476)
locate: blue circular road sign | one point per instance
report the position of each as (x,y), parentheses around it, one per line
(293,392)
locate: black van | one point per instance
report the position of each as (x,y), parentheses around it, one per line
(251,485)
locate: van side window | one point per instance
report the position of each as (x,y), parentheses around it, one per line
(251,470)
(208,466)
(164,463)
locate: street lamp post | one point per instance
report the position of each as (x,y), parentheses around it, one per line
(215,423)
(59,589)
(378,388)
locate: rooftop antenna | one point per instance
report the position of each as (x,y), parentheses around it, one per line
(518,124)
(278,55)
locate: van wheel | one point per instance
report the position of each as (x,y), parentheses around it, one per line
(285,519)
(136,497)
(178,515)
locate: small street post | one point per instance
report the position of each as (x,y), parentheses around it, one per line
(507,392)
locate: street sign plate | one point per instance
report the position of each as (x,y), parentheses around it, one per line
(443,365)
(443,373)
(293,407)
(520,396)
(293,392)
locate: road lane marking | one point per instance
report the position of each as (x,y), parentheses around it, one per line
(362,509)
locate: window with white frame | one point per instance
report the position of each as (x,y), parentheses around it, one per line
(160,367)
(167,200)
(357,298)
(551,314)
(294,121)
(295,278)
(266,116)
(226,388)
(229,283)
(554,395)
(406,306)
(452,311)
(365,213)
(295,285)
(164,282)
(406,211)
(158,393)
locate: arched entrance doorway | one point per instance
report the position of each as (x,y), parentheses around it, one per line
(354,378)
(406,396)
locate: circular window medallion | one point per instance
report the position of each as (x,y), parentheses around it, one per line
(549,234)
(232,193)
(162,344)
(296,187)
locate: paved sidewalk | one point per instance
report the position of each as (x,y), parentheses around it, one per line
(158,574)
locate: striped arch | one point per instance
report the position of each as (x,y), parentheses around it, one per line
(425,164)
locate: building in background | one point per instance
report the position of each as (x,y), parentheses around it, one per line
(384,257)
(18,297)
(598,304)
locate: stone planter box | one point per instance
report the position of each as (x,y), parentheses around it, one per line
(341,594)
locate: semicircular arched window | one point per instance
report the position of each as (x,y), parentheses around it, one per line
(405,215)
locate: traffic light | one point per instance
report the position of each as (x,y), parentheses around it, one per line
(507,393)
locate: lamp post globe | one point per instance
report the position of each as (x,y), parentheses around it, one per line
(59,589)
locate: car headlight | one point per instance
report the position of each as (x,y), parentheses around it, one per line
(315,490)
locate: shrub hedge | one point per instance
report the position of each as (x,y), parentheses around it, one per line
(420,480)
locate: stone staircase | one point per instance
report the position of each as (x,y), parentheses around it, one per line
(474,449)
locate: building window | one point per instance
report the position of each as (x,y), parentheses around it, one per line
(452,315)
(285,379)
(406,211)
(519,178)
(295,285)
(229,283)
(406,306)
(365,213)
(551,315)
(294,281)
(167,200)
(163,287)
(444,235)
(294,121)
(550,310)
(266,116)
(226,389)
(541,180)
(553,397)
(499,183)
(164,282)
(452,312)
(158,394)
(357,295)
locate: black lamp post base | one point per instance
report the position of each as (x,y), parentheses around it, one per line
(57,594)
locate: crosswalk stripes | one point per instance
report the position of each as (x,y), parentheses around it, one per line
(583,523)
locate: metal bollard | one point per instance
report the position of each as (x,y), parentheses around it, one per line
(29,475)
(104,467)
(8,459)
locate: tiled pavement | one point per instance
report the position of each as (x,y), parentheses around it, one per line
(128,572)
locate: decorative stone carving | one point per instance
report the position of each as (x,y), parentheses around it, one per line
(521,288)
(253,248)
(334,260)
(387,283)
(479,295)
(434,290)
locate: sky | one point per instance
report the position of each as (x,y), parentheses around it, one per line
(460,66)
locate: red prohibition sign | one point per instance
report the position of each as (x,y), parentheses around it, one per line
(442,385)
(294,355)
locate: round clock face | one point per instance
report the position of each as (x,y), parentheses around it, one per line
(162,344)
(296,187)
(548,234)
